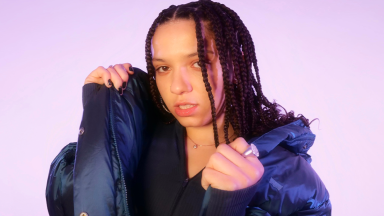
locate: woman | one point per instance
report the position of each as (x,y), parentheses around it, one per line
(180,154)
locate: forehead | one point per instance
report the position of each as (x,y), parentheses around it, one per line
(176,37)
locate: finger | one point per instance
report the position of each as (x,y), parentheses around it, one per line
(129,68)
(100,76)
(218,180)
(240,145)
(232,155)
(122,73)
(252,167)
(221,164)
(116,80)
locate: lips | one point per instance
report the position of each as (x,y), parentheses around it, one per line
(184,109)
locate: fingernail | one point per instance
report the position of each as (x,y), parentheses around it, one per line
(131,69)
(124,85)
(120,90)
(110,66)
(109,82)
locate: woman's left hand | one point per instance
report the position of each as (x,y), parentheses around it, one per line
(228,170)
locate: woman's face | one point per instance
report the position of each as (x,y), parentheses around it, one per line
(178,74)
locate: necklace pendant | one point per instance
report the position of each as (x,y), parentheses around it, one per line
(195,146)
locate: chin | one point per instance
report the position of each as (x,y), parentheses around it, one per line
(191,121)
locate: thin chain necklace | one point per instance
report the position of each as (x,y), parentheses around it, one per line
(196,145)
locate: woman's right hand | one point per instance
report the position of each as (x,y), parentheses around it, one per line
(117,75)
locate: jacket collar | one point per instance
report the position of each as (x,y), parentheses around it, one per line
(295,137)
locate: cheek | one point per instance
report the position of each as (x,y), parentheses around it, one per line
(161,85)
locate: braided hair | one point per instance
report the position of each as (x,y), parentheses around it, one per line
(246,107)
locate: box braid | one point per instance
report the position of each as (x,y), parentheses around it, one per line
(247,109)
(238,66)
(220,41)
(201,55)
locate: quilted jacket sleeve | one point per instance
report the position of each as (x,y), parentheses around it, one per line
(116,129)
(323,210)
(256,211)
(92,175)
(59,189)
(289,186)
(61,181)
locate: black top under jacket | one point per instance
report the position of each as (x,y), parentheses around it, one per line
(162,186)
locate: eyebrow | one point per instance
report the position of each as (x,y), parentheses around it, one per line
(188,56)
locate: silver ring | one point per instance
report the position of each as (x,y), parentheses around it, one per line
(252,149)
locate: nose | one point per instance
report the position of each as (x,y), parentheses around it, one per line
(180,82)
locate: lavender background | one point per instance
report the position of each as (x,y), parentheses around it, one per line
(319,58)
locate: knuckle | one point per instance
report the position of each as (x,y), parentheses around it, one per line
(127,65)
(206,172)
(247,181)
(241,139)
(261,171)
(215,157)
(258,173)
(119,65)
(240,143)
(121,70)
(101,71)
(233,185)
(220,147)
(254,175)
(100,68)
(106,71)
(117,81)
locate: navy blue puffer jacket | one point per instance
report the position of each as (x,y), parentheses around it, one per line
(94,175)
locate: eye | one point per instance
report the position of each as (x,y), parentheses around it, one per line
(197,64)
(162,69)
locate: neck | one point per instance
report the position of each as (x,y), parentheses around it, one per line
(204,135)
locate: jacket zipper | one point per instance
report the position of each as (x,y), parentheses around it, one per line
(118,157)
(185,182)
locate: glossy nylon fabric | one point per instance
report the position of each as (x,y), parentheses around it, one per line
(116,134)
(289,185)
(96,170)
(59,192)
(118,150)
(107,153)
